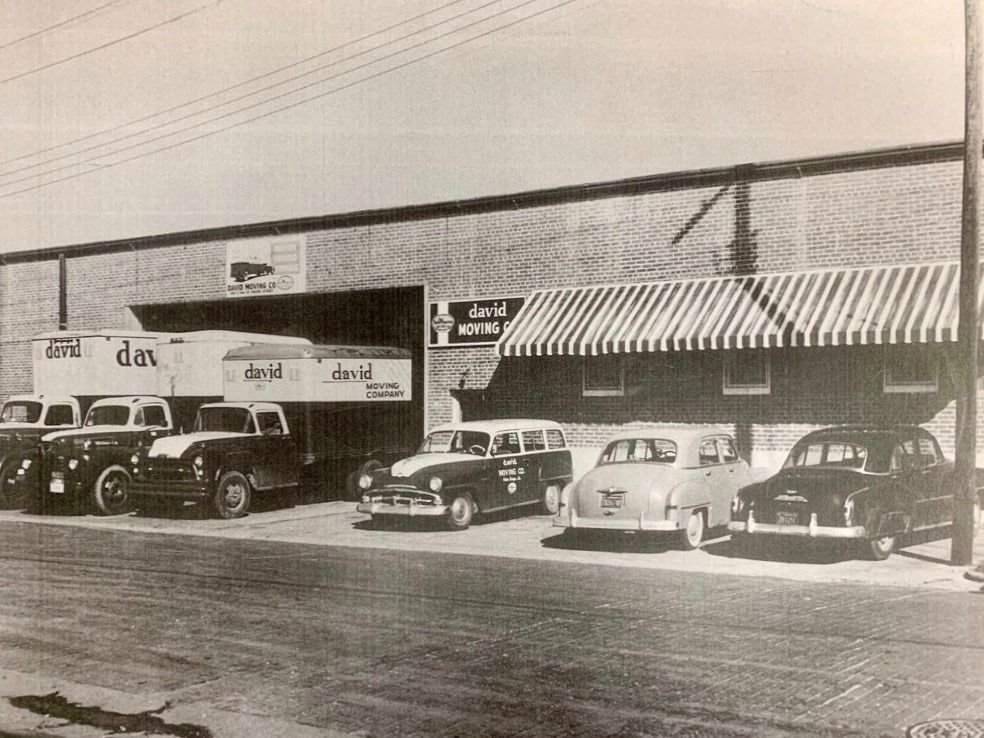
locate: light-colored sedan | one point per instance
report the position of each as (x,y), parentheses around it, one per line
(678,479)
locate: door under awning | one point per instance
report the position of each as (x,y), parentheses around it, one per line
(913,303)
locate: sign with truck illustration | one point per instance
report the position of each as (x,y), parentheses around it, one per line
(265,266)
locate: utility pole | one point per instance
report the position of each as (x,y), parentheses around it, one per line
(968,333)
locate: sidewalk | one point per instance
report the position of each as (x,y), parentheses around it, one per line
(924,564)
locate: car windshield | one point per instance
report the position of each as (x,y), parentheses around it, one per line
(455,442)
(108,415)
(21,412)
(834,454)
(225,419)
(656,450)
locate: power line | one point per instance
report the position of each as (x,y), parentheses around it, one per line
(208,134)
(128,37)
(267,101)
(187,116)
(68,21)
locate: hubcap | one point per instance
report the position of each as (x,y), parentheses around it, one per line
(459,509)
(233,495)
(115,489)
(551,498)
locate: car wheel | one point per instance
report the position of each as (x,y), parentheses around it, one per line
(693,534)
(461,512)
(880,549)
(232,495)
(550,503)
(111,492)
(8,498)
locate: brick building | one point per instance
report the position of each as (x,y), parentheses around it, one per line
(769,299)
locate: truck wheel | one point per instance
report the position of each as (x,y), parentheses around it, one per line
(231,498)
(550,502)
(461,512)
(111,492)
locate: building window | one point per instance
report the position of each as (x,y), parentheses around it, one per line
(914,372)
(747,373)
(603,376)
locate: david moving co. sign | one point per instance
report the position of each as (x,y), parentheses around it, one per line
(472,322)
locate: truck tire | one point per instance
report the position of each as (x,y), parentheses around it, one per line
(232,495)
(111,491)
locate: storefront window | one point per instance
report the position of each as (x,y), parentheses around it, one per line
(603,376)
(914,372)
(747,373)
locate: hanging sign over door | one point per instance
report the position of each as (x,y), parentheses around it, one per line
(265,266)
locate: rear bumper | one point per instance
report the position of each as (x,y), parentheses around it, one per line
(641,523)
(813,530)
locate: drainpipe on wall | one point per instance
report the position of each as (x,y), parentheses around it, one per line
(62,293)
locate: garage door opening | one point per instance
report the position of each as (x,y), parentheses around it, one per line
(386,317)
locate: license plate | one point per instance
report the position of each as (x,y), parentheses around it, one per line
(57,486)
(787,518)
(612,501)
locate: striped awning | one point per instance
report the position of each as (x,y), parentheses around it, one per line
(915,303)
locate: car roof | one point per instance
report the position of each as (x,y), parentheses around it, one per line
(259,406)
(678,433)
(862,434)
(126,400)
(43,397)
(498,425)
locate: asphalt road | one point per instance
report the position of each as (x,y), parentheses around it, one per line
(191,636)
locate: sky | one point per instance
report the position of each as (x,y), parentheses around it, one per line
(129,118)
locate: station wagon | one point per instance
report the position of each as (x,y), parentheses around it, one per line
(466,469)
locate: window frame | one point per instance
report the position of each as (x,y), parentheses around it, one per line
(610,391)
(729,387)
(927,387)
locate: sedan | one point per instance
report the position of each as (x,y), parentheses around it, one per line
(863,484)
(672,479)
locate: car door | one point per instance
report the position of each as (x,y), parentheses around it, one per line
(275,459)
(935,493)
(735,475)
(712,471)
(511,468)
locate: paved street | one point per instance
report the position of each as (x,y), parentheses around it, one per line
(251,637)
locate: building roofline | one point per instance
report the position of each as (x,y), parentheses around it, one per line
(793,168)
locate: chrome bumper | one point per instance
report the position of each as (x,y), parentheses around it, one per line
(813,530)
(573,520)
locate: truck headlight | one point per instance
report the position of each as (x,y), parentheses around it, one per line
(365,481)
(198,461)
(73,464)
(435,484)
(87,444)
(135,459)
(25,464)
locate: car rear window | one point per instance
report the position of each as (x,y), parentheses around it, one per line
(657,450)
(829,454)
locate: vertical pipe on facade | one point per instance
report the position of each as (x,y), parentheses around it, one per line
(62,293)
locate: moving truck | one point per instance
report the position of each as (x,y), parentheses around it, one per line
(293,416)
(167,376)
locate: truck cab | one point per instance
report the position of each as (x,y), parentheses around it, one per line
(87,467)
(23,420)
(236,449)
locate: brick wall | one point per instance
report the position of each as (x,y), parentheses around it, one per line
(850,216)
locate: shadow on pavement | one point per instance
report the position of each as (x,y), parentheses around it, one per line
(616,541)
(786,550)
(430,524)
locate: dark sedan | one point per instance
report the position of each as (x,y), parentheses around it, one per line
(871,485)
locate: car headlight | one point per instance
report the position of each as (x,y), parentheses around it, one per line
(25,464)
(365,481)
(73,464)
(435,484)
